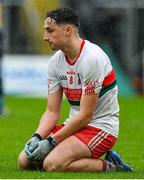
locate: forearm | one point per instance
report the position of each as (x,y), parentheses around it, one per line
(47,123)
(77,123)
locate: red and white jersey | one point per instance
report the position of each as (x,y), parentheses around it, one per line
(90,73)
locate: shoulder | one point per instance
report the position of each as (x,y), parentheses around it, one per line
(92,55)
(55,58)
(95,59)
(95,52)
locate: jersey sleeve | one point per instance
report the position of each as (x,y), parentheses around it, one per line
(93,76)
(53,81)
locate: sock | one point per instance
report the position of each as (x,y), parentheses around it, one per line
(108,166)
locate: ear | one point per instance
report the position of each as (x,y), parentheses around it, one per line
(68,30)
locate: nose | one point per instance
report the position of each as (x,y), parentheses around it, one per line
(46,36)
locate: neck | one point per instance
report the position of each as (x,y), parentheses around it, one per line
(73,48)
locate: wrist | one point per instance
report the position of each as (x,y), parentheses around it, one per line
(37,135)
(52,141)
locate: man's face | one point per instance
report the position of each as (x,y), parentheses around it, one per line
(54,34)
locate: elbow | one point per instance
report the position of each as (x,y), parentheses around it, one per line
(87,117)
(52,115)
(55,117)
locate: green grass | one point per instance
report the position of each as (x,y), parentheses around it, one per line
(16,129)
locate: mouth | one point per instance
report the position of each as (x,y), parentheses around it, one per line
(52,46)
(49,43)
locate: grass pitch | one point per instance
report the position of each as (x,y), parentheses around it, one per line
(18,127)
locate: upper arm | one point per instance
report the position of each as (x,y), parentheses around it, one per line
(88,104)
(54,101)
(92,78)
(55,91)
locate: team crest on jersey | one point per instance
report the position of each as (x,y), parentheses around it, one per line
(79,80)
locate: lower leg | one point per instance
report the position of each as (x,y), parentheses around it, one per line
(91,165)
(86,164)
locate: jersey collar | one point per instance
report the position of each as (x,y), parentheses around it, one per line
(68,60)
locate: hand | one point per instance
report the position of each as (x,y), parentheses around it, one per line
(32,144)
(44,147)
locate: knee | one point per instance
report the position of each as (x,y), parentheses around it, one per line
(23,162)
(52,165)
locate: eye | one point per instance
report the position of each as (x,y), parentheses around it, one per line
(49,30)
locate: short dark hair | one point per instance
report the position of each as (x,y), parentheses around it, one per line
(64,15)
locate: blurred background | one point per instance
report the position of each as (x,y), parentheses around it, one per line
(117,26)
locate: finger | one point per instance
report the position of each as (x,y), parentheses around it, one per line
(35,154)
(37,158)
(33,147)
(28,153)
